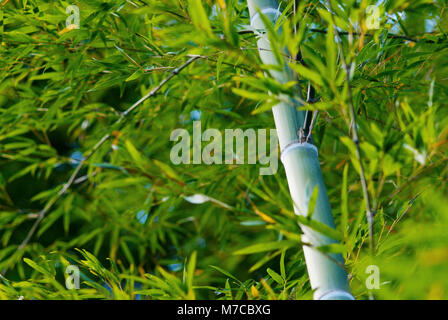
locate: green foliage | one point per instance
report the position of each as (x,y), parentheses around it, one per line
(126,219)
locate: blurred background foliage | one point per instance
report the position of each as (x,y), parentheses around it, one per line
(140,227)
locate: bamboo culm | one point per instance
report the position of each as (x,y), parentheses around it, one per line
(327,275)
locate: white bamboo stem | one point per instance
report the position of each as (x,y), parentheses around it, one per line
(327,275)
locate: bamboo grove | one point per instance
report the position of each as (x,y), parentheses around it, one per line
(91,91)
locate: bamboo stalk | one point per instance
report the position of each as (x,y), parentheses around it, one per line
(327,276)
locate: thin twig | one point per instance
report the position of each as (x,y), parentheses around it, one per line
(307,127)
(415,38)
(154,91)
(424,169)
(389,35)
(410,203)
(355,137)
(72,178)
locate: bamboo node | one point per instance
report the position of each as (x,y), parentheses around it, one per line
(297,144)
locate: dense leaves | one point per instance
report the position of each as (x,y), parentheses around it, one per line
(140,227)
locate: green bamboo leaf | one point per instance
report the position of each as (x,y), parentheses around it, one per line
(269,246)
(121,183)
(170,172)
(37,267)
(308,74)
(199,16)
(264,260)
(274,275)
(49,220)
(344,201)
(267,106)
(259,96)
(136,156)
(320,227)
(152,44)
(282,264)
(228,290)
(126,251)
(137,74)
(55,76)
(333,248)
(331,52)
(273,39)
(190,270)
(226,273)
(312,202)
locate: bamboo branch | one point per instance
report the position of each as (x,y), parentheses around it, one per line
(106,137)
(414,38)
(389,35)
(355,137)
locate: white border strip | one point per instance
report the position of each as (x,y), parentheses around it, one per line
(296,144)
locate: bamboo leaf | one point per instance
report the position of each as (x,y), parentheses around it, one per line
(259,96)
(190,270)
(269,246)
(308,74)
(282,264)
(344,201)
(228,274)
(320,227)
(199,16)
(36,267)
(312,202)
(330,45)
(136,156)
(274,275)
